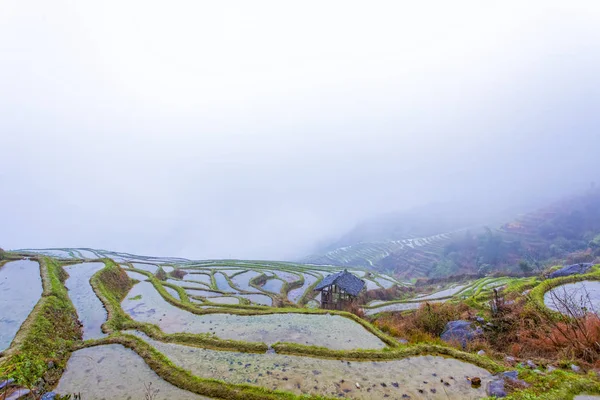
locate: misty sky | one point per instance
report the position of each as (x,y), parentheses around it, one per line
(259,129)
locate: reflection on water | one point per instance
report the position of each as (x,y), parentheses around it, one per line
(295,294)
(261,299)
(115,372)
(222,283)
(90,309)
(198,277)
(443,293)
(578,297)
(20,290)
(273,285)
(331,331)
(377,380)
(242,281)
(146,267)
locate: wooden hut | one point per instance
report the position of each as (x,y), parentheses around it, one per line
(339,290)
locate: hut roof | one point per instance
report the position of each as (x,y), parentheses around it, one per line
(346,281)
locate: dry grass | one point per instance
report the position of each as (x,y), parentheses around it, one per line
(425,324)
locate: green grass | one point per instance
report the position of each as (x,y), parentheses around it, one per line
(47,335)
(557,385)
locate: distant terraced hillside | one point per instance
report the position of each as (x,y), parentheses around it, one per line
(407,257)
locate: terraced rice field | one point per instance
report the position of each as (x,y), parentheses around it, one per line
(204,337)
(20,290)
(578,297)
(454,291)
(89,308)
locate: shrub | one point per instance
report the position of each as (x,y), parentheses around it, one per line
(161,275)
(178,273)
(426,323)
(2,254)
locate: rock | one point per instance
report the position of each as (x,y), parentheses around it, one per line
(531,364)
(6,383)
(357,385)
(496,388)
(475,381)
(480,320)
(510,374)
(50,364)
(18,394)
(481,353)
(461,331)
(551,368)
(575,368)
(403,341)
(573,269)
(48,396)
(510,359)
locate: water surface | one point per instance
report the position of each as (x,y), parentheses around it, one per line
(242,281)
(223,300)
(20,290)
(222,283)
(90,310)
(260,299)
(146,267)
(305,375)
(443,293)
(115,372)
(331,331)
(295,294)
(578,297)
(199,278)
(273,285)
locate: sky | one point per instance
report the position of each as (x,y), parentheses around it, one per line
(222,129)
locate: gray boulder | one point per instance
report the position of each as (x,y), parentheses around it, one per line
(460,331)
(574,269)
(496,388)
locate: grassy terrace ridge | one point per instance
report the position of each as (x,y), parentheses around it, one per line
(557,385)
(45,340)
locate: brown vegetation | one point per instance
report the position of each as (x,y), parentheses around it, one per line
(393,293)
(178,273)
(531,331)
(425,324)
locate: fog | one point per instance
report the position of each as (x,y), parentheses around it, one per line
(262,129)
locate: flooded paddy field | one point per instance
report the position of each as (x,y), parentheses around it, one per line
(187,284)
(90,309)
(146,267)
(202,278)
(115,372)
(242,281)
(305,375)
(295,294)
(20,290)
(330,331)
(259,299)
(222,283)
(578,297)
(273,285)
